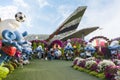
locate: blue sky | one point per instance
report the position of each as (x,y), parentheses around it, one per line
(44,16)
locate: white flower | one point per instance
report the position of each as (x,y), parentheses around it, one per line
(79,59)
(89,63)
(117,61)
(76,58)
(103,64)
(117,76)
(91,58)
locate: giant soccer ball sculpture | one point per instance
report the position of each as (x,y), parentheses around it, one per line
(20,17)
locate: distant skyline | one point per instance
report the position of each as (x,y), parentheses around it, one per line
(44,16)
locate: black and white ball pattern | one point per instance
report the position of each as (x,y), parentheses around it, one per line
(20,17)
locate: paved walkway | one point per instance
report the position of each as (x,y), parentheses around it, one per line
(49,70)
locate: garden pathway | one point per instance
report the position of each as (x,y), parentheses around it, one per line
(49,70)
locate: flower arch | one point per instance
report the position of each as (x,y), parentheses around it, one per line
(98,41)
(100,44)
(96,37)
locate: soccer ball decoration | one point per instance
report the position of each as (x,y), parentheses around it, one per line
(20,17)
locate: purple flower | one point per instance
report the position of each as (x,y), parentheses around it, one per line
(75,62)
(82,63)
(98,60)
(110,71)
(57,42)
(75,41)
(94,67)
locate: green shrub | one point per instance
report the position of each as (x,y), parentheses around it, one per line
(101,75)
(81,69)
(9,66)
(87,71)
(14,65)
(93,73)
(76,67)
(3,72)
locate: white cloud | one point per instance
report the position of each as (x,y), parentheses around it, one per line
(27,25)
(106,16)
(28,21)
(43,3)
(21,3)
(7,12)
(64,10)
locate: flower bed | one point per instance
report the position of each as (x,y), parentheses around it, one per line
(104,69)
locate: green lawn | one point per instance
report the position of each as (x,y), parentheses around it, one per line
(49,70)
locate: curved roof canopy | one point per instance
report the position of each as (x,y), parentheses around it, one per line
(80,33)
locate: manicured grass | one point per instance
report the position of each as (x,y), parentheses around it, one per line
(49,70)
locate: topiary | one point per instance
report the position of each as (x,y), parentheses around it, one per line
(81,69)
(9,66)
(101,75)
(87,71)
(14,65)
(3,72)
(76,67)
(94,73)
